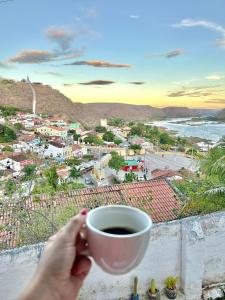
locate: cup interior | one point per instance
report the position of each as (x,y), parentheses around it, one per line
(114,216)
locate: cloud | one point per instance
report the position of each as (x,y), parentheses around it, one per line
(169,54)
(98,64)
(51,73)
(200,23)
(62,36)
(219,101)
(91,13)
(214,77)
(4,65)
(220,42)
(97,82)
(174,53)
(137,82)
(134,17)
(33,57)
(201,91)
(68,84)
(204,24)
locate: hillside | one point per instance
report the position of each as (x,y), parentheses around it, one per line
(52,102)
(221,115)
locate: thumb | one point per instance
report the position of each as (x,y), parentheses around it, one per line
(72,228)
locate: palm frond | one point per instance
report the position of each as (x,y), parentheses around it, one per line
(218,166)
(217,191)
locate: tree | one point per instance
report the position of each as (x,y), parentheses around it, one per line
(18,126)
(116,162)
(52,177)
(100,129)
(29,171)
(93,139)
(117,122)
(165,138)
(135,147)
(108,136)
(7,149)
(117,141)
(74,173)
(10,187)
(72,161)
(130,177)
(6,134)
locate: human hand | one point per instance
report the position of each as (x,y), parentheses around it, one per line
(63,265)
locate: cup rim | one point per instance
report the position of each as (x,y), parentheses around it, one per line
(90,226)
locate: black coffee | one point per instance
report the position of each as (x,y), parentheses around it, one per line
(119,230)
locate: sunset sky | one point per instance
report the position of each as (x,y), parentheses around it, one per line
(159,53)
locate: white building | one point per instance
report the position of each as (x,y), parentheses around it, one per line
(103,122)
(56,150)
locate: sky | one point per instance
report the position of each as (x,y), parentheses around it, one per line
(153,52)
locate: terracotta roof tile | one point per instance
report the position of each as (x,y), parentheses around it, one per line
(156,197)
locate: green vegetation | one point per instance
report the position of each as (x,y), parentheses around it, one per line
(130,177)
(76,136)
(152,133)
(10,187)
(117,141)
(135,147)
(74,173)
(153,287)
(52,177)
(8,111)
(93,139)
(171,282)
(18,126)
(116,162)
(46,188)
(37,226)
(7,149)
(100,129)
(6,134)
(88,157)
(108,136)
(206,194)
(72,162)
(29,171)
(117,122)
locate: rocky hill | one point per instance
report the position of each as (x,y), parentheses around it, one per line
(52,102)
(221,115)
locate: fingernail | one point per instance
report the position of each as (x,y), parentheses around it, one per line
(84,211)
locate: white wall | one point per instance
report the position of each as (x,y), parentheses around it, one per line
(192,249)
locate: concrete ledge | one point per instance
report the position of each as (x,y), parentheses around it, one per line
(191,249)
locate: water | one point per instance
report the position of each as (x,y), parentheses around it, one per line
(209,130)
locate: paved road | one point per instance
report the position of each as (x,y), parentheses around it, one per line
(169,161)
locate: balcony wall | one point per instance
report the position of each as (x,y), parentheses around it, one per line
(192,249)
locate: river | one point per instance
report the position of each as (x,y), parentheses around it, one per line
(209,130)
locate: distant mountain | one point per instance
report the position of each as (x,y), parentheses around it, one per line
(52,102)
(221,115)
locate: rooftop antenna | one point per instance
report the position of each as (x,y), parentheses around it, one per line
(34,96)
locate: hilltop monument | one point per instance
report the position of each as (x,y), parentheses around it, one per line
(34,96)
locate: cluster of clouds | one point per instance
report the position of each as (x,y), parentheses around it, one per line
(98,64)
(204,24)
(168,54)
(196,92)
(101,83)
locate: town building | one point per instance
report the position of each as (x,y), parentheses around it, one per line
(52,131)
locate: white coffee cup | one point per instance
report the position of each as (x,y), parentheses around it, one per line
(114,253)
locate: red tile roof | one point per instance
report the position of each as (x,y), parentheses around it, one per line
(156,197)
(163,173)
